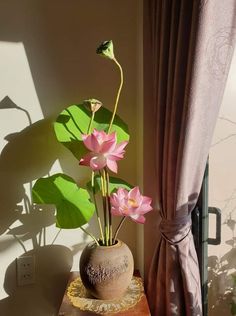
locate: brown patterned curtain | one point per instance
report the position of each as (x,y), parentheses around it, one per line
(188,47)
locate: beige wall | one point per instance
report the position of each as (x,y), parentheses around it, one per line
(48,61)
(222,194)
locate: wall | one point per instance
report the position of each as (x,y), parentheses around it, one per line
(222,194)
(48,61)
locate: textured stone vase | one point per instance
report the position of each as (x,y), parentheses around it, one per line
(106,271)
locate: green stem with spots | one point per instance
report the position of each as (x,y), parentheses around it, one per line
(91,122)
(118,94)
(106,205)
(104,208)
(109,206)
(96,208)
(118,228)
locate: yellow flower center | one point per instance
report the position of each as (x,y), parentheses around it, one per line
(132,203)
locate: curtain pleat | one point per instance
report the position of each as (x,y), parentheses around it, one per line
(184,79)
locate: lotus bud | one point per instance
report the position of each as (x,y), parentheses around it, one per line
(93,104)
(106,50)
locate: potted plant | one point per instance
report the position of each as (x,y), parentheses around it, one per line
(97,138)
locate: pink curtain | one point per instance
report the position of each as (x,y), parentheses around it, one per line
(188,47)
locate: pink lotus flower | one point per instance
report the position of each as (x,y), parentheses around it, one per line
(130,203)
(104,150)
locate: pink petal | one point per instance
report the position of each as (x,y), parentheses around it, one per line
(112,165)
(135,194)
(108,145)
(138,219)
(146,200)
(132,210)
(90,141)
(115,157)
(115,202)
(118,152)
(101,136)
(121,192)
(144,208)
(145,205)
(97,132)
(85,161)
(112,136)
(116,211)
(120,147)
(98,162)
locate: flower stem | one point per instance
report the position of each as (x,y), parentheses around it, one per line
(118,95)
(106,200)
(109,207)
(104,208)
(118,228)
(88,233)
(90,123)
(96,208)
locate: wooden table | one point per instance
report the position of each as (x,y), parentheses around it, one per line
(67,309)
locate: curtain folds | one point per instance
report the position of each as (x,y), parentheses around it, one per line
(188,47)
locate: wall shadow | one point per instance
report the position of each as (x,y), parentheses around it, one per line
(60,42)
(28,155)
(221,277)
(54,35)
(42,297)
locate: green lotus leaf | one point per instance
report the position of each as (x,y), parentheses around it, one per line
(73,205)
(74,121)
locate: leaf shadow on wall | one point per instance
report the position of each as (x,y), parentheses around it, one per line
(59,63)
(54,68)
(28,155)
(221,274)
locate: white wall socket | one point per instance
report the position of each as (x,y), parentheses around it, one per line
(25,267)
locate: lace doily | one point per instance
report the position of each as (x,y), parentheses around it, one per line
(80,298)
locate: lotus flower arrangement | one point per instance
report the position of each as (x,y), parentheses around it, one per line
(98,139)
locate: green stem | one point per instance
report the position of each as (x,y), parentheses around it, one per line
(119,227)
(109,206)
(118,94)
(96,208)
(105,220)
(88,233)
(90,123)
(104,208)
(106,200)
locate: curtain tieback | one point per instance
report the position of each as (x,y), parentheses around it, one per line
(175,230)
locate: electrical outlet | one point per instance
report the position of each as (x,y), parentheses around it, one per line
(25,270)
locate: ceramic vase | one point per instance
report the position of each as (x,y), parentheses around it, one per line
(106,271)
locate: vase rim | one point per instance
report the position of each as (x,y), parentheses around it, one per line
(117,244)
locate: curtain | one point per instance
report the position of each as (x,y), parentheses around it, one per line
(188,46)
